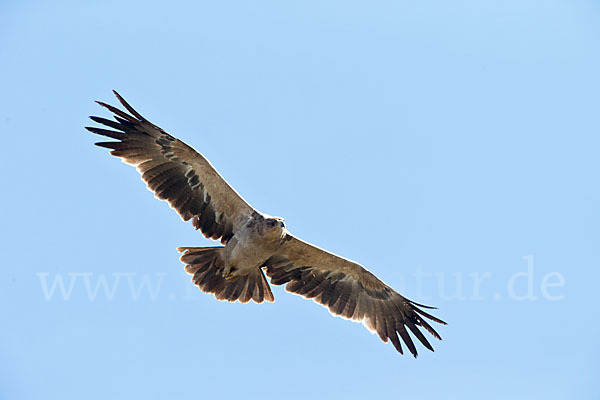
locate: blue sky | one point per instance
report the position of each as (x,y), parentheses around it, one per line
(450,147)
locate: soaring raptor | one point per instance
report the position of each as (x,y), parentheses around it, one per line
(253,242)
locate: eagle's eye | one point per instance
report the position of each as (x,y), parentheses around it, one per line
(282,224)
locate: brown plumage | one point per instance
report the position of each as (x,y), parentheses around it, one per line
(254,242)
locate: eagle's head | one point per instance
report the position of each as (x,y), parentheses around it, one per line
(269,227)
(276,222)
(275,228)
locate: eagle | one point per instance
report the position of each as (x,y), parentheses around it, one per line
(253,243)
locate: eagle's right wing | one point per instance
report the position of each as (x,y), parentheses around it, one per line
(350,291)
(175,172)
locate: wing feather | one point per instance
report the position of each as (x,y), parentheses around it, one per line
(349,290)
(175,172)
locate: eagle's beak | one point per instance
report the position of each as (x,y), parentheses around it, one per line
(281,224)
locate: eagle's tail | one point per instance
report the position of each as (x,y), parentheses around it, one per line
(206,265)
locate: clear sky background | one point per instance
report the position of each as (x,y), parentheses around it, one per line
(439,143)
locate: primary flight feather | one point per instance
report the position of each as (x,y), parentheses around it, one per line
(253,242)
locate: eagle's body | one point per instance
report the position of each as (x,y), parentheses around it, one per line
(253,242)
(258,239)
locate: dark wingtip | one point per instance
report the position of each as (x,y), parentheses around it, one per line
(416,308)
(118,112)
(119,97)
(103,104)
(422,305)
(128,107)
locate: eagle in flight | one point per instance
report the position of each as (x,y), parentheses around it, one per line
(254,243)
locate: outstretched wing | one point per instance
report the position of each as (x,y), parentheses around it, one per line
(349,291)
(175,172)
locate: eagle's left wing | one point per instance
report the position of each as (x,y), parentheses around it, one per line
(349,291)
(175,172)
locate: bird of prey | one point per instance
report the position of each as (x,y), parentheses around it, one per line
(254,243)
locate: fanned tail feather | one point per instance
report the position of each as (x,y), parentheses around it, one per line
(206,266)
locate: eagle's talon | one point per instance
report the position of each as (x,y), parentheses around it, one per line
(228,275)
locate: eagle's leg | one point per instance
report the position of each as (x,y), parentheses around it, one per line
(229,272)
